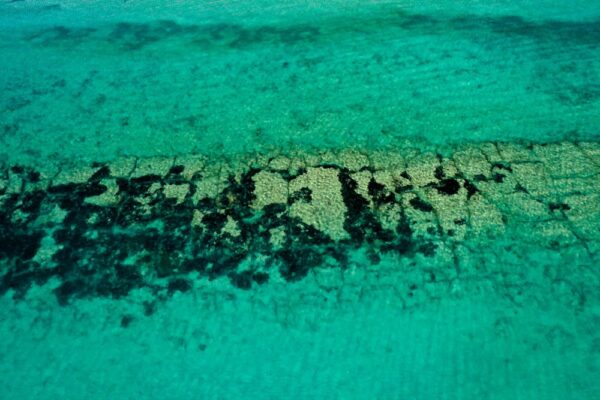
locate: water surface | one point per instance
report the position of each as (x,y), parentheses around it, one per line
(336,200)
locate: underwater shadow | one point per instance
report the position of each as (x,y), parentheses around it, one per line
(131,36)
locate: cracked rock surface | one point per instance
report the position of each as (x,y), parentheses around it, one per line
(509,215)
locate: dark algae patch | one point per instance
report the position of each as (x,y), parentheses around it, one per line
(421,205)
(133,36)
(101,231)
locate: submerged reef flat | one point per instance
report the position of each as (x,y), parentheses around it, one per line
(477,213)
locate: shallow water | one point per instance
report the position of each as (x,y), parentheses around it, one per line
(339,201)
(369,76)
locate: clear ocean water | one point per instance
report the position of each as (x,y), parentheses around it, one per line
(307,200)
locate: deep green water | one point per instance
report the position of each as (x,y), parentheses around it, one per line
(433,169)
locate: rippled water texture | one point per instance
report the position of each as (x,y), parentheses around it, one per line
(324,200)
(367,76)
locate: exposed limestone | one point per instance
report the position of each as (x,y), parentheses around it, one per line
(297,163)
(232,169)
(122,167)
(583,212)
(362,179)
(449,167)
(176,191)
(564,159)
(192,165)
(592,151)
(532,178)
(303,213)
(522,207)
(211,184)
(386,178)
(472,162)
(484,218)
(280,163)
(389,215)
(269,188)
(562,187)
(259,161)
(207,188)
(423,220)
(152,166)
(421,169)
(380,160)
(231,227)
(326,211)
(109,197)
(277,237)
(74,175)
(516,152)
(326,157)
(197,218)
(450,209)
(491,152)
(352,159)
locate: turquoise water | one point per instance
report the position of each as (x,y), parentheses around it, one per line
(336,200)
(220,78)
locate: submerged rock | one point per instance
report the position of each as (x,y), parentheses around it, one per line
(103,230)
